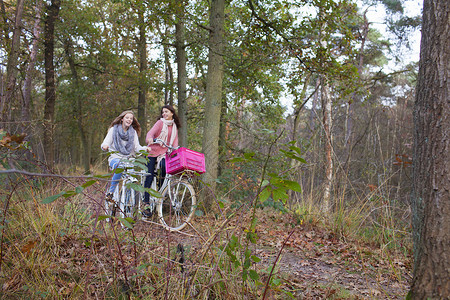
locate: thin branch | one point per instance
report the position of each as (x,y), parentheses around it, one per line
(306,101)
(275,262)
(381,76)
(278,32)
(15,171)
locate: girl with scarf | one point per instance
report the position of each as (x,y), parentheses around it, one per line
(122,139)
(166,129)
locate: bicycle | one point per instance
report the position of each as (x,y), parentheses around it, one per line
(125,201)
(174,201)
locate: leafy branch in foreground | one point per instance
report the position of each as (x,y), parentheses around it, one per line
(273,185)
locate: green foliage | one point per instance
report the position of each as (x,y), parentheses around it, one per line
(52,198)
(127,222)
(278,188)
(241,257)
(404,26)
(69,193)
(293,153)
(393,6)
(248,157)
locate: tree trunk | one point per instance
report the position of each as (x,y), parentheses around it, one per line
(294,164)
(240,123)
(182,75)
(327,123)
(5,26)
(168,78)
(213,95)
(313,113)
(78,109)
(430,199)
(222,139)
(364,32)
(50,87)
(30,69)
(298,109)
(142,46)
(6,103)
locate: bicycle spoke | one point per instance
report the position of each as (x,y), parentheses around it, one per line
(177,206)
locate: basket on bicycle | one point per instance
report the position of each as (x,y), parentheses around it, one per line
(184,159)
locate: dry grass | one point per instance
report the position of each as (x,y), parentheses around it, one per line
(62,250)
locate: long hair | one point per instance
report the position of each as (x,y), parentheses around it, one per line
(135,124)
(175,116)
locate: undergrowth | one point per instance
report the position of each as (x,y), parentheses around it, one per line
(62,250)
(57,243)
(381,224)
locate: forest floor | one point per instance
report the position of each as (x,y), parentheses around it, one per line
(311,262)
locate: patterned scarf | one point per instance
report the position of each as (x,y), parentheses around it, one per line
(120,135)
(165,131)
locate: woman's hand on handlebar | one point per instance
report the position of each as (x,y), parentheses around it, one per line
(158,141)
(162,143)
(105,148)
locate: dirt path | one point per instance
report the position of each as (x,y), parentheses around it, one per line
(319,279)
(312,263)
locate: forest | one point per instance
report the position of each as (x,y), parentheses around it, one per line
(310,114)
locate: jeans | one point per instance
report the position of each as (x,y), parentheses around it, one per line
(113,164)
(151,164)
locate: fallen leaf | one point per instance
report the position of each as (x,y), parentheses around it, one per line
(27,248)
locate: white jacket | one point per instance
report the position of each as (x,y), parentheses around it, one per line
(108,141)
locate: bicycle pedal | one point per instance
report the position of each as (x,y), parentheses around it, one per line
(147,213)
(109,198)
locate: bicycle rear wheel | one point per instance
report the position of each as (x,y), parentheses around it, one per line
(177,206)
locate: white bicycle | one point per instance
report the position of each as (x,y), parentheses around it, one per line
(174,201)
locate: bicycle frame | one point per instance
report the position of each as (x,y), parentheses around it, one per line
(176,206)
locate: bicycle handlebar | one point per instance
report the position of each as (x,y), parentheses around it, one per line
(159,141)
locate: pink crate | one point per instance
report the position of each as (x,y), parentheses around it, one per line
(185,159)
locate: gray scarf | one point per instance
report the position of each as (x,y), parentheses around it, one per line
(120,135)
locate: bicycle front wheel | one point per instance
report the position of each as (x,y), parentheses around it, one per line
(128,202)
(177,206)
(111,204)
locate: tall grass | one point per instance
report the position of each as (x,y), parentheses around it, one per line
(374,219)
(62,250)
